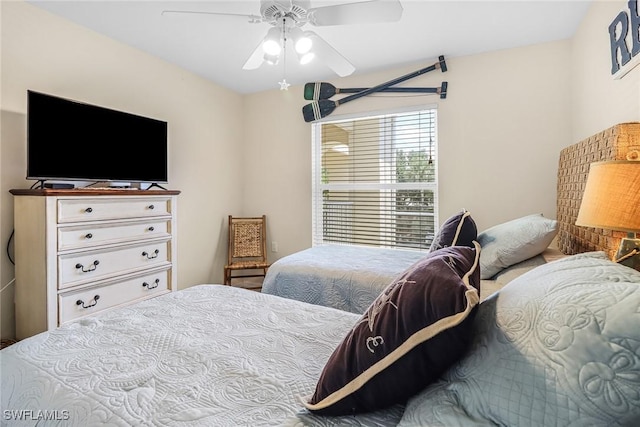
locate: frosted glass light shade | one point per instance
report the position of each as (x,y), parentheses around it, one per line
(306,58)
(303,45)
(271,45)
(271,59)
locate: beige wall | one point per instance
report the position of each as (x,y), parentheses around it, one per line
(45,53)
(500,131)
(598,100)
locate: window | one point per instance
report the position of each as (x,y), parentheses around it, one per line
(375,180)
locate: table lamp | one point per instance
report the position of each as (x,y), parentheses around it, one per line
(611,200)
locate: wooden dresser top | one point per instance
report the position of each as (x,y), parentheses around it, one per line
(92,192)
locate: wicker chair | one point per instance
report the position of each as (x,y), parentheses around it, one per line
(247,248)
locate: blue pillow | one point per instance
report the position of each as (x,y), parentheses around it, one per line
(559,345)
(514,241)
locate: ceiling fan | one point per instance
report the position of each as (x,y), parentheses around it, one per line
(287,17)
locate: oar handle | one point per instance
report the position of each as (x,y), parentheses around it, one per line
(440,64)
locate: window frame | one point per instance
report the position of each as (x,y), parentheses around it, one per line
(318,187)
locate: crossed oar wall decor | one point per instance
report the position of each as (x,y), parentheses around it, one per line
(321,106)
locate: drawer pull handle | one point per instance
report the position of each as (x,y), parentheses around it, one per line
(155,254)
(88,210)
(152,207)
(149,287)
(91,267)
(88,236)
(150,228)
(91,304)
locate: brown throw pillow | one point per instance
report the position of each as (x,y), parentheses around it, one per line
(414,330)
(458,230)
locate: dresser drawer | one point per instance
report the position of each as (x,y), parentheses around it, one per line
(79,268)
(98,298)
(91,209)
(102,234)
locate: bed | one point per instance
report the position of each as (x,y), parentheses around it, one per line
(320,275)
(557,345)
(224,356)
(350,277)
(344,277)
(210,355)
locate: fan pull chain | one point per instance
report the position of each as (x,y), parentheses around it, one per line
(283,84)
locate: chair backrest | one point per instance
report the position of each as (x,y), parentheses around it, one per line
(247,238)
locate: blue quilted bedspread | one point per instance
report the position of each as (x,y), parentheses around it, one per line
(348,278)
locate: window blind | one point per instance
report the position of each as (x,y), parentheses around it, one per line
(375,180)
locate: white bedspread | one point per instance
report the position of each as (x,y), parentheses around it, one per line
(340,276)
(209,355)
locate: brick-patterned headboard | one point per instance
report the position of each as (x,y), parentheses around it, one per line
(619,142)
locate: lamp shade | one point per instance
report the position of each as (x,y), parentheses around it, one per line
(611,198)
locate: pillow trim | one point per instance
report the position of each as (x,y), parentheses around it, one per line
(472,299)
(459,227)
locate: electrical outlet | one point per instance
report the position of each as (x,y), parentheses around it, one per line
(274,246)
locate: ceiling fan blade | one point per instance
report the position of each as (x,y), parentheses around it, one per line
(256,59)
(253,19)
(328,55)
(365,12)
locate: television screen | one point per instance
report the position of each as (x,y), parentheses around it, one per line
(70,140)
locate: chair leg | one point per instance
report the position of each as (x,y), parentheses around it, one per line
(227,277)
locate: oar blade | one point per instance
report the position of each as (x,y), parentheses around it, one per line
(319,90)
(318,109)
(308,91)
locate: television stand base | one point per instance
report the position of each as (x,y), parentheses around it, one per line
(155,185)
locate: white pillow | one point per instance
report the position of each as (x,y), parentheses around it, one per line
(514,241)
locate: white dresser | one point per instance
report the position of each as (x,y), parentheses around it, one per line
(79,252)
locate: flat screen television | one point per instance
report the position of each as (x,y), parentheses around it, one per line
(71,140)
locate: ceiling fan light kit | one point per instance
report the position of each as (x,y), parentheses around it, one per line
(287,17)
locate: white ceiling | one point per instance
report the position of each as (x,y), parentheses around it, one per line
(216,47)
